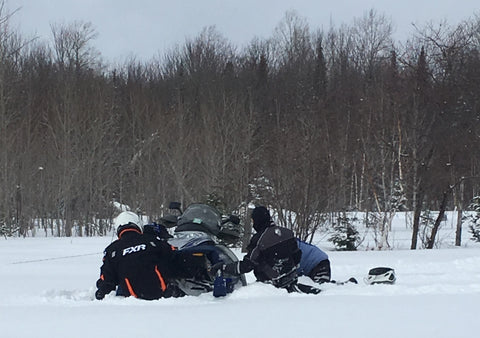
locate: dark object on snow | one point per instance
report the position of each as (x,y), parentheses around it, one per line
(221,285)
(303,288)
(381,275)
(350,280)
(99,294)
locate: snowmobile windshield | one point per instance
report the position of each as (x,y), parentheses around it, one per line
(200,217)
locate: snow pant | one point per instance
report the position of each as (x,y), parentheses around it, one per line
(321,272)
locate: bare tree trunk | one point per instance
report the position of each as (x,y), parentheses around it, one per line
(416,220)
(458,232)
(18,211)
(438,221)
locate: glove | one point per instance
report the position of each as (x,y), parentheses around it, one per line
(232,268)
(245,265)
(216,267)
(99,294)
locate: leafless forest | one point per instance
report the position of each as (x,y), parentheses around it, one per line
(310,121)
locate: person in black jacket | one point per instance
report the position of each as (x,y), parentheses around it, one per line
(142,265)
(272,253)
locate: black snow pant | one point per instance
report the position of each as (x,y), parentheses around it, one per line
(321,272)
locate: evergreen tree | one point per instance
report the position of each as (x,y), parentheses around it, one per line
(345,236)
(474,219)
(398,199)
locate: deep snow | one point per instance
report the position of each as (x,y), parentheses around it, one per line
(47,287)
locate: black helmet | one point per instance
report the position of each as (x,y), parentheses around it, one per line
(261,218)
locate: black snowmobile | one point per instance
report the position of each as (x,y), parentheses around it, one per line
(198,230)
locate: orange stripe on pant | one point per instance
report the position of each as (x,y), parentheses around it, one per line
(162,282)
(130,289)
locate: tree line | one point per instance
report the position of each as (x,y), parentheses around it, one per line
(313,122)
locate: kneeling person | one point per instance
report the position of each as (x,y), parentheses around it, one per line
(272,253)
(138,264)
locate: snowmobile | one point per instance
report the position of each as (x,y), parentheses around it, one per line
(199,230)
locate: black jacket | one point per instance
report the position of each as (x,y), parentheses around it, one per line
(141,265)
(271,254)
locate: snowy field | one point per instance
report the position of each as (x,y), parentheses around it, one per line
(47,287)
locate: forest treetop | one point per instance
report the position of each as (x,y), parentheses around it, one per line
(309,121)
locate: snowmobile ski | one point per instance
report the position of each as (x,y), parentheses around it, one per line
(350,280)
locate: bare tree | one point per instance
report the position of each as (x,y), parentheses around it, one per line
(74,56)
(12,170)
(72,45)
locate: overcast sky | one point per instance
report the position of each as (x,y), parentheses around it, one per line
(146,28)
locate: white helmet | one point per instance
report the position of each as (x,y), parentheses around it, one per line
(381,275)
(127,220)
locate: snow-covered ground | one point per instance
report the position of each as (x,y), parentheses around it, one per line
(47,288)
